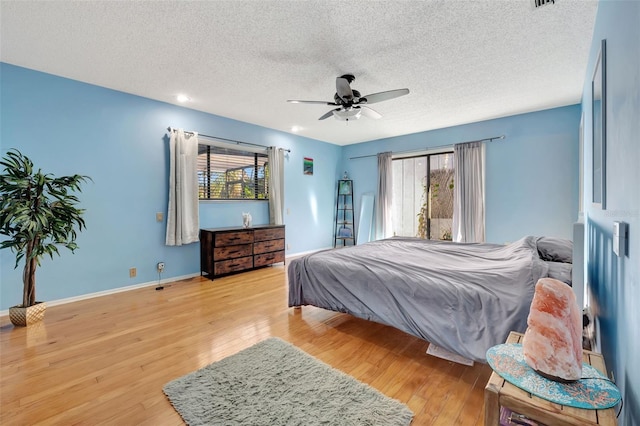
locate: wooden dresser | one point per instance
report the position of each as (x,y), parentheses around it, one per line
(229,250)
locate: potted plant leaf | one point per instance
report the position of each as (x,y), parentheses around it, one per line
(38,213)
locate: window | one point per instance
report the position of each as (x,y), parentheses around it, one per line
(423,196)
(231,174)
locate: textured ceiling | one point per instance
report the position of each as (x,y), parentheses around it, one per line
(463,61)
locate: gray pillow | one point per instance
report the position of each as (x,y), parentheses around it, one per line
(560,271)
(554,249)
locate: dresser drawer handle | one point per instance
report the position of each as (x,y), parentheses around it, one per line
(233,265)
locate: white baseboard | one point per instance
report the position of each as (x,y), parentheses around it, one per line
(111,291)
(137,286)
(304,253)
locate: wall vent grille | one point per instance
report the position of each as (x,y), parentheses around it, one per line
(539,3)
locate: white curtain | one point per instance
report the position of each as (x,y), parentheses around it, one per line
(383,222)
(468,200)
(276,186)
(182,216)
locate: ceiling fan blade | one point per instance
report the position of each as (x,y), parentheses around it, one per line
(329,114)
(384,96)
(368,112)
(343,89)
(293,101)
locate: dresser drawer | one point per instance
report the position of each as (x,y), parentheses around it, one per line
(268,258)
(233,265)
(232,252)
(233,238)
(268,234)
(267,246)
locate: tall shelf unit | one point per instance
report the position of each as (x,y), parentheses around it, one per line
(344,231)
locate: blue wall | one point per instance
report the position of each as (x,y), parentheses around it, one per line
(614,281)
(531,175)
(120,141)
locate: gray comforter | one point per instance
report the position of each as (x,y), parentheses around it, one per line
(462,297)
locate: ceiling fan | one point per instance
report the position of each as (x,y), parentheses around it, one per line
(351,105)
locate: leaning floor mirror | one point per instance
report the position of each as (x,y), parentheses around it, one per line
(366,218)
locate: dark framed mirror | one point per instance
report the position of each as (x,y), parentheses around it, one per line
(599,125)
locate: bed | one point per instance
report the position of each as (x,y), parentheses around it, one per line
(464,298)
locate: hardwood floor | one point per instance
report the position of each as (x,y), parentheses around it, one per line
(105,360)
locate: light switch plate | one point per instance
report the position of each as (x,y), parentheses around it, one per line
(620,238)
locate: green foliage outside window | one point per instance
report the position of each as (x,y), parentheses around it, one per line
(225,174)
(440,192)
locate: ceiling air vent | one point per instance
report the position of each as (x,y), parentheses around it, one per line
(540,3)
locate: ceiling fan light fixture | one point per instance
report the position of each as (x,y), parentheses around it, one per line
(351,104)
(347,114)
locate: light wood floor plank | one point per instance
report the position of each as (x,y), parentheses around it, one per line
(105,360)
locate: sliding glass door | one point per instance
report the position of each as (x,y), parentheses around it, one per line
(423,196)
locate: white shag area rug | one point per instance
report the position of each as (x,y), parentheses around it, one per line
(275,383)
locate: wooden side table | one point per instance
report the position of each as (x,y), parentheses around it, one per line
(500,393)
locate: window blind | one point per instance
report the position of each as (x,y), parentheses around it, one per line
(231,174)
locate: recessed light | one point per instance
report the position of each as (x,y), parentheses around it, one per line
(296,129)
(183,98)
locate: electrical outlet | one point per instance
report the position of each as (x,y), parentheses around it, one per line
(288,247)
(160,266)
(133,272)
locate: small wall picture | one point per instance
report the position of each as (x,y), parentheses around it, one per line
(307,167)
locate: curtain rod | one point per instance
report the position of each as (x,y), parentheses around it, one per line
(432,147)
(224,139)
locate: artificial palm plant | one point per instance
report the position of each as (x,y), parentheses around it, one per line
(38,213)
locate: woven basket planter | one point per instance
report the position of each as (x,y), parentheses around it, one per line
(21,316)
